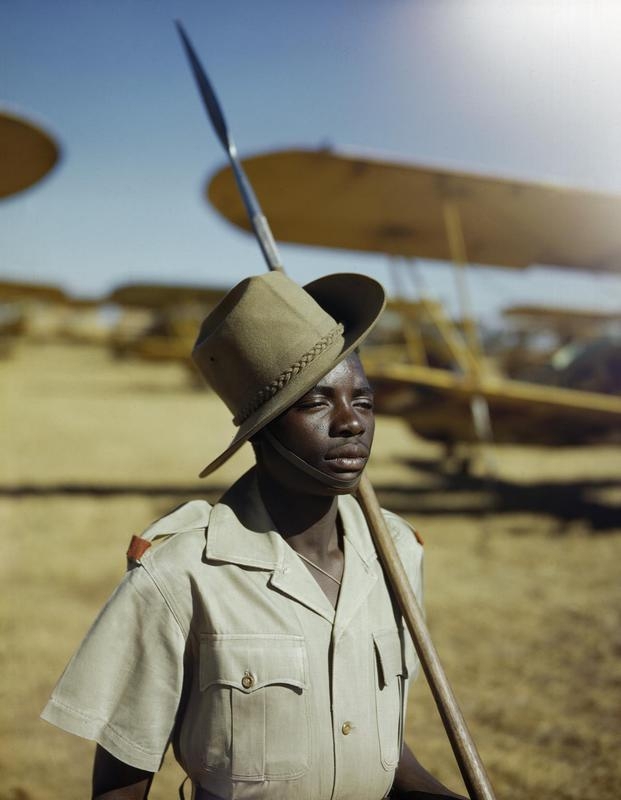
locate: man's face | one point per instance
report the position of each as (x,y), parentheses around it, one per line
(331,427)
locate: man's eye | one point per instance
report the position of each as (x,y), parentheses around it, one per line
(365,403)
(310,403)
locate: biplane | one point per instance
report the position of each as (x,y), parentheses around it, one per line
(573,347)
(154,322)
(339,200)
(159,321)
(45,311)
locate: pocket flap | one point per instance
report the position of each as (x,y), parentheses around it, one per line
(389,656)
(251,661)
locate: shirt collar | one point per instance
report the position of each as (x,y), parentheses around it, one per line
(241,531)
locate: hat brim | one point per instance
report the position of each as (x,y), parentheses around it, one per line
(354,300)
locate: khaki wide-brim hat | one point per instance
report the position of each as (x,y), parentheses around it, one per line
(269,341)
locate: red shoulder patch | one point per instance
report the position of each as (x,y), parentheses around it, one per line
(137,548)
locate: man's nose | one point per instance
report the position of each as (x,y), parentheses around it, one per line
(347,421)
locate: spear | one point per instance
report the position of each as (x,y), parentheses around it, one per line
(464,749)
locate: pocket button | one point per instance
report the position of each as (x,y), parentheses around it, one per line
(248,680)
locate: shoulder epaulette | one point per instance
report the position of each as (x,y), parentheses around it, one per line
(190,516)
(390,515)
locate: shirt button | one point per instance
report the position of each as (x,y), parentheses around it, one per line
(247,680)
(346,728)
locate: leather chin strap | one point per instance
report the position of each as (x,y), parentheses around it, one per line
(333,481)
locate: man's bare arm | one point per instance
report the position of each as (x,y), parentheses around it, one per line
(115,780)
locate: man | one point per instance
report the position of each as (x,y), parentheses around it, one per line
(260,636)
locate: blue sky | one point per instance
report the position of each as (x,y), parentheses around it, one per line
(526,90)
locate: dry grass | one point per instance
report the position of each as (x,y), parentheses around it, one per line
(525,610)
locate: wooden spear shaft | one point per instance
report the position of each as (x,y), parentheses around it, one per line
(466,754)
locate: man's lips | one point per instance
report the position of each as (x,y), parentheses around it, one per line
(349,458)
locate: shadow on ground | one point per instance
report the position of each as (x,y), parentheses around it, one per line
(104,490)
(464,494)
(458,494)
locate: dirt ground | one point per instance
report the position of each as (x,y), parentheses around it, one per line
(523,587)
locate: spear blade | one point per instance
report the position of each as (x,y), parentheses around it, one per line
(214,112)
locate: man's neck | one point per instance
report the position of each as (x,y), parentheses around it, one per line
(308,522)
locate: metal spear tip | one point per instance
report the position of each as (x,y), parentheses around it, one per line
(210,100)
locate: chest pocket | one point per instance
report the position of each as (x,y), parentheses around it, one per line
(256,695)
(389,693)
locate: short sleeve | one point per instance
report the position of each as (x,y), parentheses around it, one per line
(123,686)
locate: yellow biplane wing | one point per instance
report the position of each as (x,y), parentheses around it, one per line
(330,199)
(28,153)
(13,291)
(162,295)
(567,321)
(436,404)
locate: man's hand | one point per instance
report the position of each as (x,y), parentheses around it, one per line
(413,782)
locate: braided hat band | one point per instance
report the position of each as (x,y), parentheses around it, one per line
(283,379)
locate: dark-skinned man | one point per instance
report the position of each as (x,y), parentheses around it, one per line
(259,636)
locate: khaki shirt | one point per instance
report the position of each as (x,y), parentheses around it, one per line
(221,641)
